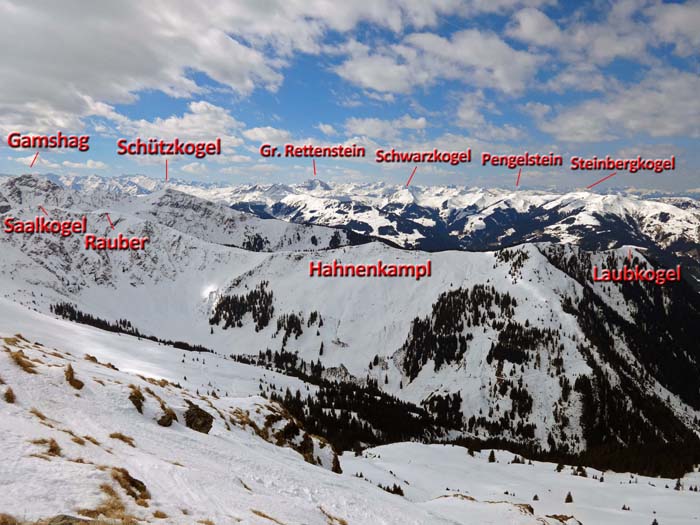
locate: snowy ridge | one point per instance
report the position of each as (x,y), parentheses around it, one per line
(237,474)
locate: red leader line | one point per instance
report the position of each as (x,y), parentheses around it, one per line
(34,160)
(411,177)
(45,212)
(110,220)
(314,160)
(601,180)
(517,182)
(166,171)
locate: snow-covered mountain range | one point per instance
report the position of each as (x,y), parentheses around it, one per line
(459,218)
(514,347)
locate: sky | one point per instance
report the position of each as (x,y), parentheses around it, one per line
(617,78)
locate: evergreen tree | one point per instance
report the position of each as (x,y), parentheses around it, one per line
(492,457)
(569,498)
(336,465)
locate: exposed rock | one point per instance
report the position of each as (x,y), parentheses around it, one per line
(198,419)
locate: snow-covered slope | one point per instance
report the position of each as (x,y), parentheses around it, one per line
(90,451)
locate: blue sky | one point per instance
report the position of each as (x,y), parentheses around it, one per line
(504,76)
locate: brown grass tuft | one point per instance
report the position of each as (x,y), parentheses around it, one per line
(92,440)
(332,520)
(72,380)
(112,508)
(206,522)
(93,359)
(133,487)
(38,414)
(9,395)
(78,440)
(6,519)
(160,515)
(123,437)
(22,361)
(136,397)
(52,448)
(263,515)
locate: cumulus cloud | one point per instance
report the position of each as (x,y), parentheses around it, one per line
(326,129)
(533,26)
(677,24)
(88,164)
(202,121)
(39,161)
(383,129)
(470,116)
(194,168)
(664,104)
(268,135)
(109,52)
(619,35)
(480,58)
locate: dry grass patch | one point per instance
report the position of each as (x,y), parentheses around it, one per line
(36,412)
(156,382)
(245,486)
(263,515)
(332,520)
(93,359)
(22,361)
(136,397)
(112,508)
(92,440)
(160,515)
(206,522)
(52,448)
(6,519)
(123,437)
(9,396)
(72,380)
(133,487)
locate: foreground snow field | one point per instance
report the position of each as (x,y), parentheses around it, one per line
(233,474)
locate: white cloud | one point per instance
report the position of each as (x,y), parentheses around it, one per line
(383,129)
(469,113)
(471,117)
(618,36)
(202,122)
(108,52)
(326,129)
(194,168)
(40,161)
(533,26)
(678,24)
(268,135)
(580,77)
(480,58)
(88,164)
(664,104)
